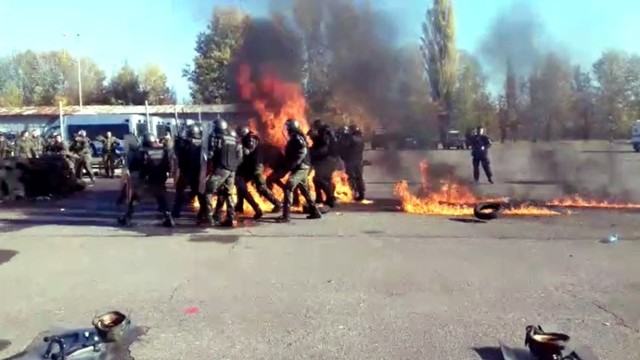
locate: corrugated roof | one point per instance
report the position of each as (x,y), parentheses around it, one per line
(103,109)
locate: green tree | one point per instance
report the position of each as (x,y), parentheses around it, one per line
(555,90)
(11,96)
(214,53)
(583,103)
(509,120)
(48,77)
(440,55)
(614,97)
(153,83)
(472,102)
(124,87)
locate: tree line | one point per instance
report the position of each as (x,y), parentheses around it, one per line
(350,75)
(32,78)
(343,54)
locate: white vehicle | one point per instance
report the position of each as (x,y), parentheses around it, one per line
(635,136)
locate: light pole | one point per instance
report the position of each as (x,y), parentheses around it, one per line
(79,66)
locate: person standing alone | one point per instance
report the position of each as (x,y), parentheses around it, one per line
(480,144)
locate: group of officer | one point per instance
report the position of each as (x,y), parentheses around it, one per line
(213,163)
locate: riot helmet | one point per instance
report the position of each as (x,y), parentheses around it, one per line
(317,124)
(291,126)
(149,140)
(243,131)
(82,133)
(220,126)
(354,129)
(194,131)
(480,130)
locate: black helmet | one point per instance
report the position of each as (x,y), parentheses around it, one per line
(291,125)
(354,129)
(148,140)
(194,131)
(243,131)
(220,126)
(317,124)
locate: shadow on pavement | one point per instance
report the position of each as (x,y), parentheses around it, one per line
(97,207)
(468,220)
(607,151)
(6,256)
(4,344)
(495,353)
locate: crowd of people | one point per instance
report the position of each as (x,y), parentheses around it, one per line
(236,158)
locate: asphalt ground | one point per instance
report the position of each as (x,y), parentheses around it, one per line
(364,282)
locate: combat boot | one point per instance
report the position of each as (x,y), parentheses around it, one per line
(124,220)
(168,220)
(258,214)
(314,213)
(277,207)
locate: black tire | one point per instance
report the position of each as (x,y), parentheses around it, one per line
(480,210)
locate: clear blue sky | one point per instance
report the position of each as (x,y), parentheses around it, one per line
(164,31)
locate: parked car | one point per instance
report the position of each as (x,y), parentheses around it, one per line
(455,140)
(384,140)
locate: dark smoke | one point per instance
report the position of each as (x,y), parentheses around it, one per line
(517,34)
(270,45)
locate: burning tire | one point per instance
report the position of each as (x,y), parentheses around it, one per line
(487,211)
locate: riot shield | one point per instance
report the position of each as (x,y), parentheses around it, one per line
(175,171)
(204,156)
(130,144)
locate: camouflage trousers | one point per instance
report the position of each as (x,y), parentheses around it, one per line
(298,179)
(220,183)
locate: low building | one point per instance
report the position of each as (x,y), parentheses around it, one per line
(14,120)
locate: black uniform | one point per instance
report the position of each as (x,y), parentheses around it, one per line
(480,144)
(225,155)
(188,149)
(324,162)
(252,170)
(149,168)
(299,165)
(352,153)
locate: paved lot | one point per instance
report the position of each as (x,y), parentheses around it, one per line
(362,283)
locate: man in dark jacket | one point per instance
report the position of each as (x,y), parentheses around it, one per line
(299,165)
(323,161)
(251,170)
(224,157)
(150,168)
(480,144)
(353,156)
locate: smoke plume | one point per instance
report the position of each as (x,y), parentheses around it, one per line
(517,34)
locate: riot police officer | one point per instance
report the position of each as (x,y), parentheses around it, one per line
(322,153)
(81,147)
(480,144)
(224,157)
(252,170)
(109,146)
(188,149)
(299,165)
(353,157)
(150,167)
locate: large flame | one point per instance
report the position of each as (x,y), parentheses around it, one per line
(275,101)
(343,193)
(452,199)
